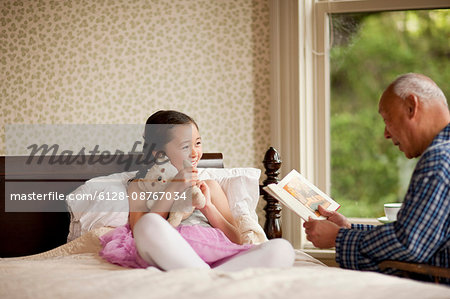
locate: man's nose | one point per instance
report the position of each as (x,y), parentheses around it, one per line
(387,135)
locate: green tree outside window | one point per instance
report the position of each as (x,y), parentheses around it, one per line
(369,51)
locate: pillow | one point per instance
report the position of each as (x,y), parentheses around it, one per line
(241,185)
(99,202)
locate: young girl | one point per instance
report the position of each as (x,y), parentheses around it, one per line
(149,240)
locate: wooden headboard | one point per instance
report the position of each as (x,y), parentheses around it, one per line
(30,232)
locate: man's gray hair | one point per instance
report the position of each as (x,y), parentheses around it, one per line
(420,85)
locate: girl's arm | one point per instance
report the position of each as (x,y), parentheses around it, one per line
(138,208)
(218,211)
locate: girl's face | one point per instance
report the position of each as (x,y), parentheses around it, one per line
(186,144)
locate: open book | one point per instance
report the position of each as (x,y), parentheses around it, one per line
(302,197)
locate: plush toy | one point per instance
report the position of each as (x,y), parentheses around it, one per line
(250,231)
(156,180)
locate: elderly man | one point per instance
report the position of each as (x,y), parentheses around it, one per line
(417,118)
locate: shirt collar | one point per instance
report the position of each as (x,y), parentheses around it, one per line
(443,136)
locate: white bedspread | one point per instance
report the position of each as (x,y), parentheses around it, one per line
(75,270)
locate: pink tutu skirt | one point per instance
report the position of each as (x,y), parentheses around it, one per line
(209,243)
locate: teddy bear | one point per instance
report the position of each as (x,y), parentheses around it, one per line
(156,180)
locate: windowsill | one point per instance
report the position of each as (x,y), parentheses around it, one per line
(328,256)
(371,221)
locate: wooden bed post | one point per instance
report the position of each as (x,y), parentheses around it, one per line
(272,225)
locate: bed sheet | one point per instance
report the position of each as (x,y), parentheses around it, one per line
(75,270)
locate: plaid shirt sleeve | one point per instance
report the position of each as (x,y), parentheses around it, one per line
(421,233)
(362,226)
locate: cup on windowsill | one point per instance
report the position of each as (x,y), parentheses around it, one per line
(391,210)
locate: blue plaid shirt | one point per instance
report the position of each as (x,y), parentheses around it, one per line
(421,233)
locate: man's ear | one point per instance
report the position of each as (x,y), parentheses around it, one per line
(412,105)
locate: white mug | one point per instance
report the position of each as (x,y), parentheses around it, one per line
(391,210)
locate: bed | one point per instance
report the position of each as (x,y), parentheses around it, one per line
(38,262)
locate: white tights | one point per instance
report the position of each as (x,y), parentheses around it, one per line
(162,246)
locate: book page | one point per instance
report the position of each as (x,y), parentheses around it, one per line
(298,188)
(289,201)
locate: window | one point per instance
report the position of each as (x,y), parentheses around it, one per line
(300,86)
(368,51)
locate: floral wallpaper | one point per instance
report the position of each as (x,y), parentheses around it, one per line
(117,62)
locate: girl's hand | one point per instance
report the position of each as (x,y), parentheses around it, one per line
(186,177)
(206,192)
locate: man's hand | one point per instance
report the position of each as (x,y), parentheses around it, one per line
(322,233)
(335,217)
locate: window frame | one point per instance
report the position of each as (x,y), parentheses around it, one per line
(300,86)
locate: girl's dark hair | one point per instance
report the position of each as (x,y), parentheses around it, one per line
(157,134)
